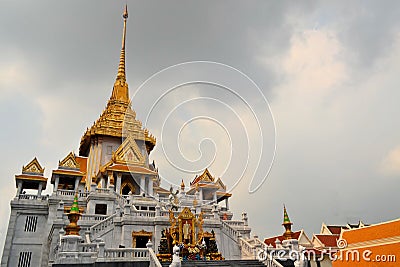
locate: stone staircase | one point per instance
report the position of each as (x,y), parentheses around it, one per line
(226,263)
(102,227)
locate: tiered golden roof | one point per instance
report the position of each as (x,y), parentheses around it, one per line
(118,119)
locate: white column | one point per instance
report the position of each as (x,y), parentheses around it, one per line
(102,182)
(150,187)
(118,187)
(39,193)
(109,179)
(227,203)
(77,179)
(19,188)
(56,182)
(201,196)
(215,197)
(142,184)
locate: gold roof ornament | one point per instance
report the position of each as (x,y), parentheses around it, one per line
(69,162)
(73,228)
(288,234)
(118,118)
(182,185)
(120,91)
(33,167)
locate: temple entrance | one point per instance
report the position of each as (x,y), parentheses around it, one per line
(140,239)
(128,185)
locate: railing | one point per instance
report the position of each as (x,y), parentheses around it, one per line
(127,254)
(120,199)
(64,192)
(88,247)
(50,236)
(154,262)
(101,226)
(232,233)
(93,217)
(144,213)
(103,190)
(234,223)
(248,249)
(32,197)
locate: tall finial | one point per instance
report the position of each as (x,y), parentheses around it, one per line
(121,68)
(287,224)
(120,90)
(73,228)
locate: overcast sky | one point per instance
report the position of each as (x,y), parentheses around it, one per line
(329,71)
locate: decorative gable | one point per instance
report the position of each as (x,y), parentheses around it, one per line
(33,167)
(220,184)
(69,162)
(129,153)
(204,177)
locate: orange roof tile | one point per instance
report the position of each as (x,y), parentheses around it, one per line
(328,240)
(68,172)
(372,232)
(335,230)
(31,177)
(127,168)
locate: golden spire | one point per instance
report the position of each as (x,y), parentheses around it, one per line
(121,68)
(287,224)
(182,185)
(73,228)
(120,90)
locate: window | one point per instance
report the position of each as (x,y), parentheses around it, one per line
(25,259)
(101,209)
(30,223)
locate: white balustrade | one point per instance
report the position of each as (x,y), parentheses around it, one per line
(103,190)
(93,217)
(127,254)
(145,213)
(234,234)
(102,226)
(154,262)
(32,197)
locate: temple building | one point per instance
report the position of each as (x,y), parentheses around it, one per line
(369,245)
(108,205)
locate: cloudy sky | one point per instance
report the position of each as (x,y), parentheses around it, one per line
(329,72)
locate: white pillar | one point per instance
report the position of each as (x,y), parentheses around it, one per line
(118,187)
(39,193)
(19,188)
(150,187)
(142,184)
(102,182)
(227,203)
(109,179)
(56,182)
(77,179)
(201,196)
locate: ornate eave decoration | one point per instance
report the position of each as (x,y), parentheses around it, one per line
(128,153)
(69,162)
(33,167)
